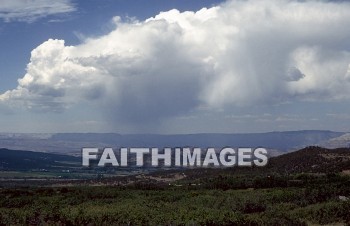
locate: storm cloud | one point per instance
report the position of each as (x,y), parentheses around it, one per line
(239,53)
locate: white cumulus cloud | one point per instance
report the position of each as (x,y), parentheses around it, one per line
(237,53)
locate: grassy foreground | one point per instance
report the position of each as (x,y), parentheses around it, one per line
(175,206)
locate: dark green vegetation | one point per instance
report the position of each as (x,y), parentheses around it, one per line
(17,164)
(316,202)
(308,187)
(29,160)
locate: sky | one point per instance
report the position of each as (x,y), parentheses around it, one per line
(177,66)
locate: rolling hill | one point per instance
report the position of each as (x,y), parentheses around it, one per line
(28,160)
(312,159)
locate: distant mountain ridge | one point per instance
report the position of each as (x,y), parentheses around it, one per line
(71,143)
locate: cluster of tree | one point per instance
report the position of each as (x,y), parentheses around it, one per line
(316,200)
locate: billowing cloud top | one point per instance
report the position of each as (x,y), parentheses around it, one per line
(30,10)
(237,53)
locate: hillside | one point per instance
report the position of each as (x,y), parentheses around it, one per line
(28,160)
(309,159)
(312,159)
(233,196)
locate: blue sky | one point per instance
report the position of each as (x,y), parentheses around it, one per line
(123,66)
